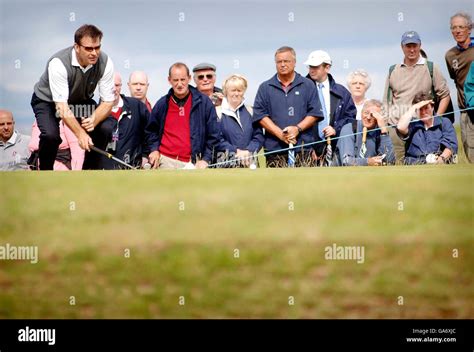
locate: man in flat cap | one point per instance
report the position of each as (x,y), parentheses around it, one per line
(205,78)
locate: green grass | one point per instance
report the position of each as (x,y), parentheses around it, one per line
(183,229)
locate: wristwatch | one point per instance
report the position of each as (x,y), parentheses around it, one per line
(300,130)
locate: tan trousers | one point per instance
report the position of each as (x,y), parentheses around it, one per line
(398,145)
(467,136)
(169,163)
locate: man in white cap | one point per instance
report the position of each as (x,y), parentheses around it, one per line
(338,106)
(407,79)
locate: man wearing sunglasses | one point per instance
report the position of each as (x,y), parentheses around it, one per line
(205,78)
(65,91)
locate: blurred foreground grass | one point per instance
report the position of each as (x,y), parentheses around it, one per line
(239,243)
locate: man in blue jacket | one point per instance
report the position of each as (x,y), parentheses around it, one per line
(336,101)
(125,129)
(287,107)
(429,140)
(183,125)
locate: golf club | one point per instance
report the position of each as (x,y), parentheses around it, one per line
(110,156)
(363,148)
(328,152)
(291,156)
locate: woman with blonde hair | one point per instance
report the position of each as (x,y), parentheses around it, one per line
(242,138)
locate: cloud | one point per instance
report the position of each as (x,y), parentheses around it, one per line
(238,37)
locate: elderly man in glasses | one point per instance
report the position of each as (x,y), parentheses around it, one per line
(65,92)
(366,142)
(205,79)
(458,61)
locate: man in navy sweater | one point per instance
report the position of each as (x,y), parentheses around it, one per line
(287,106)
(125,130)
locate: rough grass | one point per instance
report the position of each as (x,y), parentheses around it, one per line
(240,243)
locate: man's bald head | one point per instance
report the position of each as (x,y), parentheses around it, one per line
(117,86)
(138,75)
(6,112)
(138,85)
(7,125)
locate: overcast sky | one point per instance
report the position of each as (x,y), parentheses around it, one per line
(237,36)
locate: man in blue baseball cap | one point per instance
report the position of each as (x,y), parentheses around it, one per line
(407,79)
(410,37)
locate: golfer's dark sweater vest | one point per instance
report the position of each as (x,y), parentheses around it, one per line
(81,85)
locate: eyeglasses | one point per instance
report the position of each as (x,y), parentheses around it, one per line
(208,76)
(90,48)
(461,28)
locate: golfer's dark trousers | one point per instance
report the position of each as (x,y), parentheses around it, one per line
(101,136)
(48,124)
